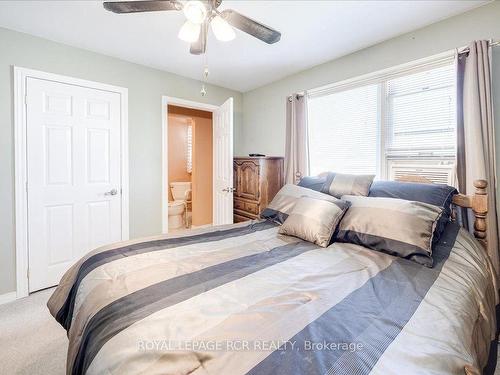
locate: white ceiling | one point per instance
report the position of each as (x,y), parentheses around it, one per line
(313,32)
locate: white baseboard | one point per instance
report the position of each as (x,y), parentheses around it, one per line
(7,297)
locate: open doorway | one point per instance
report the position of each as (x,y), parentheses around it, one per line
(197,164)
(190,150)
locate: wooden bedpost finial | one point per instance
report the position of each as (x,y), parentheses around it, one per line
(480,209)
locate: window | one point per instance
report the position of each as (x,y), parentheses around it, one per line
(189,149)
(421,114)
(343,131)
(399,124)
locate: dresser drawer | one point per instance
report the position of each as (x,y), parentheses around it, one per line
(239,218)
(239,205)
(245,213)
(252,208)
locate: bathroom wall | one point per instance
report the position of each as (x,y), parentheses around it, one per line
(202,170)
(177,150)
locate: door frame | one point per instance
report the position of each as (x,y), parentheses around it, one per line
(165,102)
(21,76)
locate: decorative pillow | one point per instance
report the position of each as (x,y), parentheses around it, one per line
(436,194)
(338,184)
(314,220)
(394,226)
(316,183)
(282,204)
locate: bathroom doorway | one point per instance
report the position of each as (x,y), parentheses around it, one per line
(189,164)
(189,167)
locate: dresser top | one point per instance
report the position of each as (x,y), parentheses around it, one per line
(257,157)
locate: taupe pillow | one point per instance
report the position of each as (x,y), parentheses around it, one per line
(282,204)
(339,184)
(314,220)
(394,226)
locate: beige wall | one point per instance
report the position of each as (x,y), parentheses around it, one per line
(177,150)
(202,171)
(145,87)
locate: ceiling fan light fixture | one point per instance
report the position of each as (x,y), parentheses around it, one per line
(222,29)
(189,32)
(195,11)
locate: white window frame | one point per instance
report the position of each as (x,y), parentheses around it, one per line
(380,78)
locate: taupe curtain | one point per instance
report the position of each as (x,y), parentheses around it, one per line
(476,136)
(296,151)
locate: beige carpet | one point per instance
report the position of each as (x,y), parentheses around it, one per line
(31,341)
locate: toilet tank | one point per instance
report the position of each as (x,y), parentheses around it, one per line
(179,190)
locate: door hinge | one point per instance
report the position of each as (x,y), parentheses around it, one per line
(26,99)
(26,186)
(28,273)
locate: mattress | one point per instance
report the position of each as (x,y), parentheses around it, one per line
(243,299)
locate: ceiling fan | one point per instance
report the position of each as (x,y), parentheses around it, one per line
(200,14)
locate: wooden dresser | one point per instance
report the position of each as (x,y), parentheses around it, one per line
(256,180)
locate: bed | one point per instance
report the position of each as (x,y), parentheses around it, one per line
(243,299)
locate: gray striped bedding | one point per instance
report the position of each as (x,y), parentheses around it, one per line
(243,299)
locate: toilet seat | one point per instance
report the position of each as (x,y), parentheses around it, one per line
(176,203)
(176,208)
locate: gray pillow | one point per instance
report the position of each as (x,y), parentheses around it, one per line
(436,194)
(394,226)
(282,204)
(338,184)
(314,220)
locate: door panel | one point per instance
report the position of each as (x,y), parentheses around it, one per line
(223,163)
(249,180)
(73,159)
(99,215)
(59,221)
(58,146)
(98,156)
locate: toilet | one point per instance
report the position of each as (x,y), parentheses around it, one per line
(181,191)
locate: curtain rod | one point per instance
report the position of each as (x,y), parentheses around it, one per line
(461,50)
(491,43)
(297,96)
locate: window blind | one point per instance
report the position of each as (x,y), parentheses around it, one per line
(343,131)
(421,119)
(189,149)
(376,128)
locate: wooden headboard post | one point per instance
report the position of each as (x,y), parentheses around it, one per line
(480,209)
(477,202)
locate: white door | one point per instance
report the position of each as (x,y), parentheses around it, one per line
(223,163)
(73,169)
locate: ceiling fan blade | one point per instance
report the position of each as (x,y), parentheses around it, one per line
(249,26)
(200,46)
(141,6)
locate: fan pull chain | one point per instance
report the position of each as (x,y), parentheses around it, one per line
(206,72)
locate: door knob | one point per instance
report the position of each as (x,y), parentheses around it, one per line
(111,192)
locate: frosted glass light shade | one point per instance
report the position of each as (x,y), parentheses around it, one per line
(222,29)
(195,11)
(189,32)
